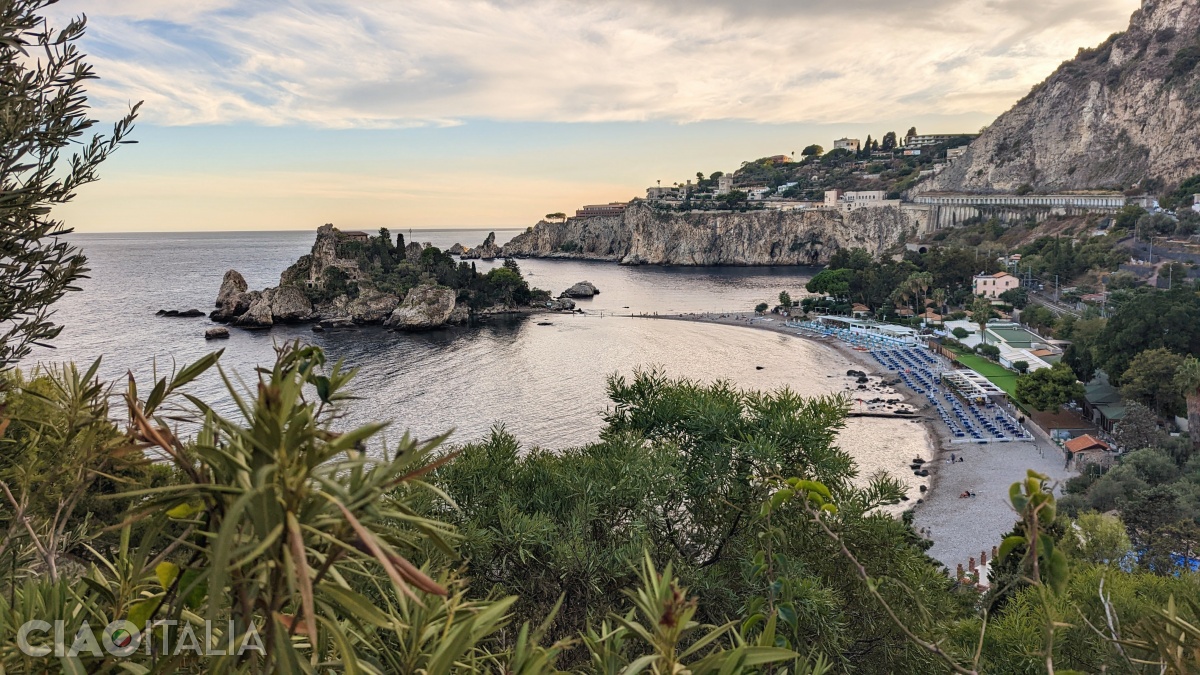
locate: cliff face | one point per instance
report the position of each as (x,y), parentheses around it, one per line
(642,235)
(1123,114)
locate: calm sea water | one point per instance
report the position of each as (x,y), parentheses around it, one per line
(546,383)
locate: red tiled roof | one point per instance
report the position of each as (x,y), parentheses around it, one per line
(1085,442)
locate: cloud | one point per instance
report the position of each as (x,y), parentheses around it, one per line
(391,63)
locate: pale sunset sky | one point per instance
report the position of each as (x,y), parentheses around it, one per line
(285,114)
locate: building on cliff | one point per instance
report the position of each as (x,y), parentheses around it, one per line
(609,209)
(849,201)
(725,184)
(1085,202)
(851,144)
(933,139)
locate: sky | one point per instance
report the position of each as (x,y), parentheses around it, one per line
(286,114)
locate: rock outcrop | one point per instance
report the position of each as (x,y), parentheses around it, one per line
(456,249)
(583,289)
(369,306)
(258,314)
(286,304)
(218,333)
(642,235)
(426,307)
(1121,116)
(488,250)
(179,313)
(311,269)
(413,251)
(232,284)
(289,304)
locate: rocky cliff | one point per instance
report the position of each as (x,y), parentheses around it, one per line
(643,235)
(1120,116)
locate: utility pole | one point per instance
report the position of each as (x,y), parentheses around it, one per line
(1056,288)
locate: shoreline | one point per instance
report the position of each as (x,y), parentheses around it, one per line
(960,529)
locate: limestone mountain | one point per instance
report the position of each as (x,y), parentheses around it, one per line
(1123,115)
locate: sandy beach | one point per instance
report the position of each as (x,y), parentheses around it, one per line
(959,527)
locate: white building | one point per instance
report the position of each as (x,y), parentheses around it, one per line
(849,201)
(932,139)
(851,144)
(724,184)
(1093,202)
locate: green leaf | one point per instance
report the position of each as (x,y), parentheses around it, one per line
(1008,545)
(166,573)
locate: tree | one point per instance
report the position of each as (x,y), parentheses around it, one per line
(45,112)
(889,141)
(912,131)
(785,299)
(939,299)
(1021,366)
(1187,379)
(960,332)
(835,283)
(981,311)
(557,215)
(1098,538)
(813,150)
(1148,319)
(1150,379)
(866,148)
(1049,388)
(761,308)
(1138,429)
(1017,297)
(1128,216)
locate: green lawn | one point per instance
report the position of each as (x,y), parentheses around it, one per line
(994,372)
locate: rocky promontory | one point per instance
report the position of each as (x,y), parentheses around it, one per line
(349,280)
(644,235)
(488,250)
(1120,116)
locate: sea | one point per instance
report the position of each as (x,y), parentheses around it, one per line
(545,383)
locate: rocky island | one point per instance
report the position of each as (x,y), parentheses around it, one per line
(645,235)
(356,279)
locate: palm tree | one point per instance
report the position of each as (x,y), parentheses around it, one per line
(1187,378)
(939,299)
(981,311)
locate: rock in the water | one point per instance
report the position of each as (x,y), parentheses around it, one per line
(234,306)
(488,250)
(337,323)
(259,314)
(289,304)
(231,285)
(175,313)
(218,333)
(582,289)
(456,249)
(428,306)
(561,305)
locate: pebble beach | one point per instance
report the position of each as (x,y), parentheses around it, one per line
(959,527)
